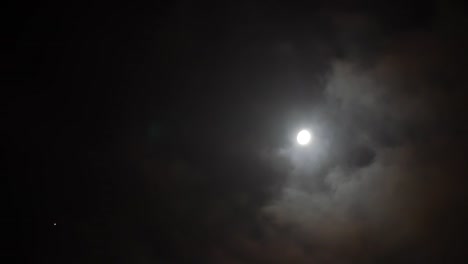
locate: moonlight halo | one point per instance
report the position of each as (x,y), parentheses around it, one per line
(304,137)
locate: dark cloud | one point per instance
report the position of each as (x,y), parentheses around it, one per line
(384,208)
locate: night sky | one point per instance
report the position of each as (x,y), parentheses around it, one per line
(165,132)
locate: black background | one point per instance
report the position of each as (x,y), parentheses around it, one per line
(135,127)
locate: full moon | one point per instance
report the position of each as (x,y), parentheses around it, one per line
(304,137)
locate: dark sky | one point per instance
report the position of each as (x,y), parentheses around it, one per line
(165,132)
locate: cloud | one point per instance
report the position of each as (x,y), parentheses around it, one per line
(381,187)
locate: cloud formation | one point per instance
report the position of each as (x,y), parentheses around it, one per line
(384,183)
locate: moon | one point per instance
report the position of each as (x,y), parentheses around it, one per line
(304,137)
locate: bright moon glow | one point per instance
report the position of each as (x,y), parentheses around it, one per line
(304,137)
